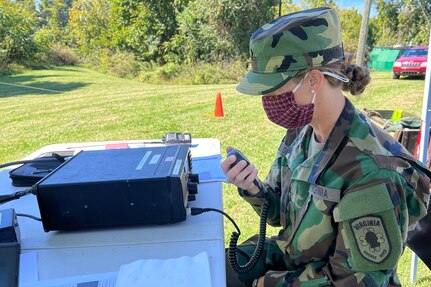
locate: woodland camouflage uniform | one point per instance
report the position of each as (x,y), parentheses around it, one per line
(344,211)
(346,214)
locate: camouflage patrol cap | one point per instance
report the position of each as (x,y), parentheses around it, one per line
(289,44)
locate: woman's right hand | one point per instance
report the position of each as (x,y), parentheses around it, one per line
(240,175)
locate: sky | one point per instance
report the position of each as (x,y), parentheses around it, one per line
(358,4)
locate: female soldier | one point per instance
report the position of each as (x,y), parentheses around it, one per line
(344,192)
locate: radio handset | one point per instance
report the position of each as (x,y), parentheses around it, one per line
(233,259)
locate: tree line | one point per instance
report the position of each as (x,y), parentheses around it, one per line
(158,39)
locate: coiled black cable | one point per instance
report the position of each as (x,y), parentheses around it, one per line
(233,242)
(233,259)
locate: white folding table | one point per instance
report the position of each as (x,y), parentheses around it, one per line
(63,254)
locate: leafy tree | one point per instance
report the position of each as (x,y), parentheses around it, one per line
(89,25)
(402,22)
(198,38)
(217,30)
(28,5)
(288,7)
(308,4)
(54,17)
(387,22)
(414,21)
(143,26)
(17,27)
(184,31)
(350,21)
(373,31)
(240,18)
(54,12)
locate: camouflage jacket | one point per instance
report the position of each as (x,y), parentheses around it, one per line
(346,211)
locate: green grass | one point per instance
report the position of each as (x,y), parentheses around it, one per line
(96,107)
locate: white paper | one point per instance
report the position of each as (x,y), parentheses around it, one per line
(185,271)
(208,168)
(204,148)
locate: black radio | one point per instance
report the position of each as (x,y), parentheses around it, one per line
(118,187)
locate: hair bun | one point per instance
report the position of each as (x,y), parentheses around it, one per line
(359,78)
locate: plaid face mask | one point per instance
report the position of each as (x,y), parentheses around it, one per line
(284,111)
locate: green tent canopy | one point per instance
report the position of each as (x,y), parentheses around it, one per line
(382,59)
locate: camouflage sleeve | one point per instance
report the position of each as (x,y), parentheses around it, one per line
(272,182)
(272,185)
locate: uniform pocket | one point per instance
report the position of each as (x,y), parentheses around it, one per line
(369,228)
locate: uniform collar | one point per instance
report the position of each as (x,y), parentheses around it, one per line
(309,170)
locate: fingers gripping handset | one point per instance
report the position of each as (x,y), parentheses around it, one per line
(239,156)
(233,259)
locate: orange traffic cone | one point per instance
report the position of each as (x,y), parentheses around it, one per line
(218,111)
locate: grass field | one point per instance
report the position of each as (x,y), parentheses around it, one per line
(93,107)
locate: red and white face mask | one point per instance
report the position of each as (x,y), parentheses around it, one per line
(284,111)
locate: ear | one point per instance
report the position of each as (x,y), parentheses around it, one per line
(315,80)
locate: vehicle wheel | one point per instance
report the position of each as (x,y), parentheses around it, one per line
(395,76)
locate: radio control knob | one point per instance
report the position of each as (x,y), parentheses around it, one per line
(194,177)
(192,187)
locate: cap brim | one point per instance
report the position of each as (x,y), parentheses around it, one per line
(256,84)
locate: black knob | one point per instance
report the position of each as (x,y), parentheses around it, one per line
(194,177)
(192,187)
(191,197)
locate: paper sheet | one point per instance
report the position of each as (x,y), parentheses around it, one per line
(204,148)
(185,271)
(208,168)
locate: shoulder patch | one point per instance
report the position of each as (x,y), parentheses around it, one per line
(370,228)
(371,238)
